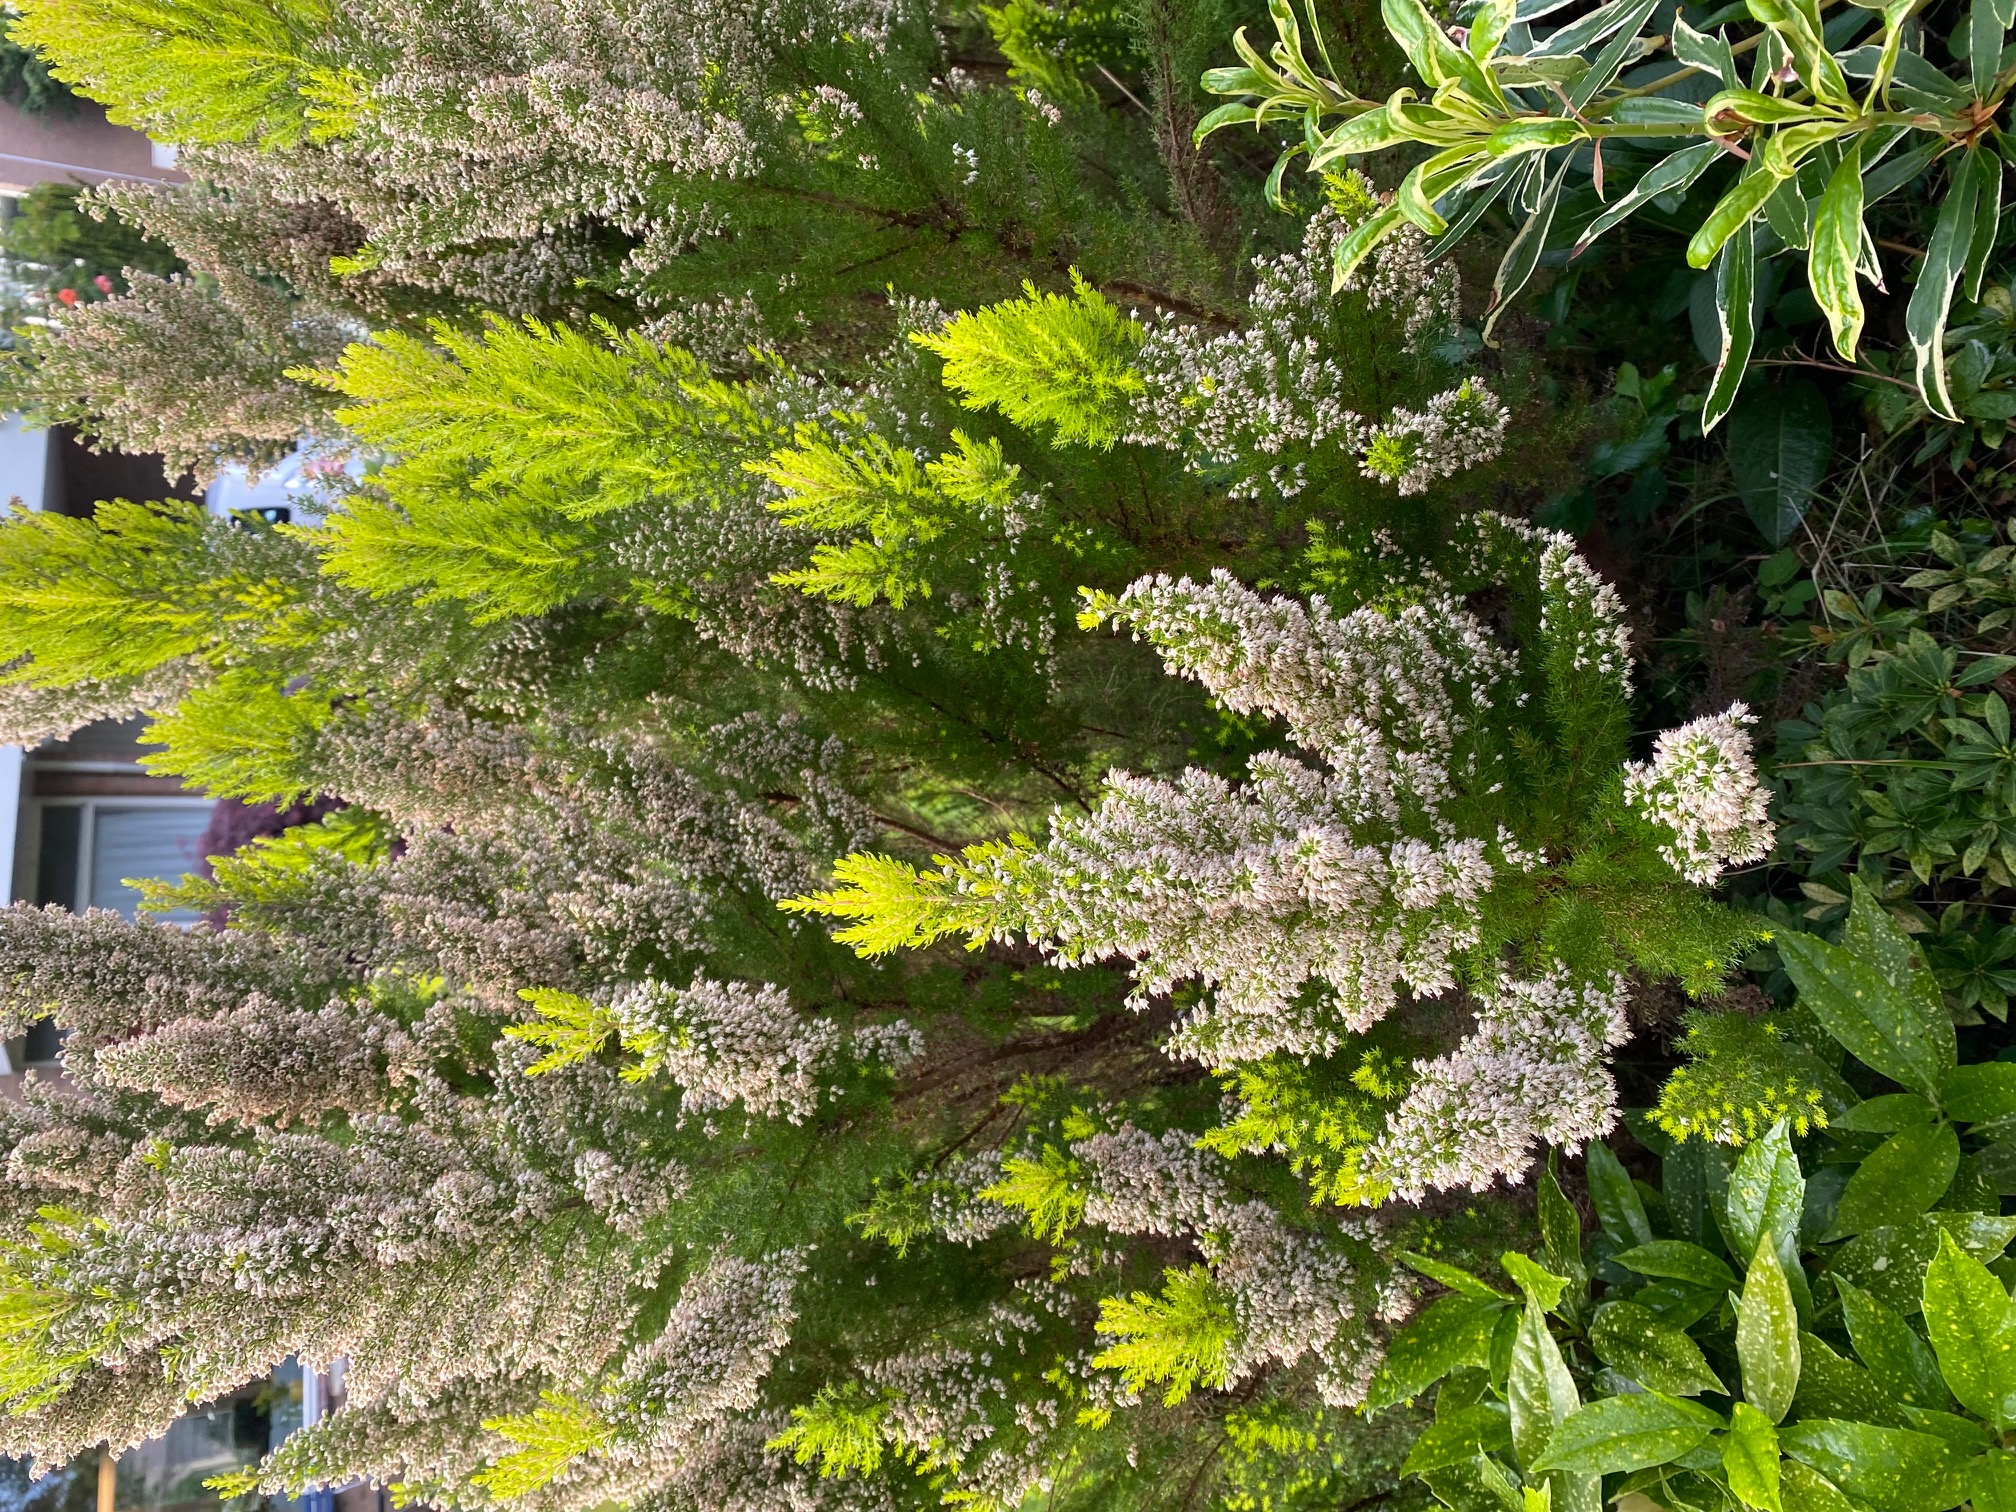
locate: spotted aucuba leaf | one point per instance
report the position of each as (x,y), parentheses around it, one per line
(1630,1432)
(1972,1325)
(1887,1469)
(1750,1458)
(1767,1336)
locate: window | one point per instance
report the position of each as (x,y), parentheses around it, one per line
(90,847)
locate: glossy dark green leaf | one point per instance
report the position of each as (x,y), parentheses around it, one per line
(1539,1390)
(1900,1178)
(1973,1094)
(1636,1342)
(1767,1195)
(1677,1260)
(1879,1024)
(1803,1489)
(1453,1276)
(1901,1362)
(1886,1114)
(1992,1483)
(1539,1284)
(1618,1206)
(1833,1386)
(1452,1332)
(1560,1224)
(1781,439)
(1474,1485)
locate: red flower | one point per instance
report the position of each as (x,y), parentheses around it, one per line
(104,284)
(68,296)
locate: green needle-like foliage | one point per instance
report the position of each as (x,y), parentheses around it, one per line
(1177,1339)
(195,71)
(1047,361)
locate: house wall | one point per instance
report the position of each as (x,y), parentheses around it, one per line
(83,146)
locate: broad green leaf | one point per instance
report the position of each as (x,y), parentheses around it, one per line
(1781,439)
(1540,1285)
(1972,1326)
(1560,1225)
(1889,1469)
(1837,248)
(1993,1482)
(1732,213)
(1832,1386)
(1627,1433)
(1890,1262)
(1678,1260)
(1539,1390)
(1618,1206)
(1932,298)
(1767,1336)
(1461,1437)
(1963,1432)
(1878,938)
(1901,1362)
(1805,1490)
(1453,1276)
(1736,319)
(1973,1094)
(1878,1023)
(1636,1342)
(1750,1458)
(1901,1178)
(1767,1196)
(1886,1114)
(1452,1332)
(1477,1484)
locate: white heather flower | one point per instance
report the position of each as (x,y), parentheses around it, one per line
(1458,429)
(729,1324)
(1701,784)
(1582,611)
(729,1041)
(1260,400)
(1535,1071)
(1142,1184)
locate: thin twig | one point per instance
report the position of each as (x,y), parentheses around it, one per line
(1833,367)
